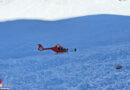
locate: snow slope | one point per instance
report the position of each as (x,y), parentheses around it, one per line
(59,9)
(102,42)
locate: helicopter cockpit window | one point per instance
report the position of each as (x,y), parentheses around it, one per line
(61,49)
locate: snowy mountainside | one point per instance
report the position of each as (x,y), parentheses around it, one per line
(77,32)
(102,42)
(60,9)
(91,70)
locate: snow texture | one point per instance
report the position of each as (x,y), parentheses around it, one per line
(102,42)
(60,9)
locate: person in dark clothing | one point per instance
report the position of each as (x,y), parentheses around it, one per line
(75,49)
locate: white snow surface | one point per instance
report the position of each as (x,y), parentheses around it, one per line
(60,9)
(102,42)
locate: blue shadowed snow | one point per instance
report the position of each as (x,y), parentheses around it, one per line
(102,41)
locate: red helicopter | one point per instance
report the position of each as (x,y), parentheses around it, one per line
(58,48)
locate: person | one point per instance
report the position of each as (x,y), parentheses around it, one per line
(75,49)
(1,83)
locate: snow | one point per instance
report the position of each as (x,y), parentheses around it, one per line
(102,42)
(60,9)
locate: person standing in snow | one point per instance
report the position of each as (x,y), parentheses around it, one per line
(1,83)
